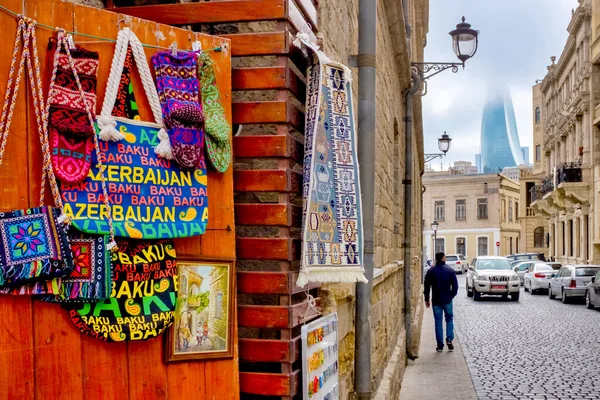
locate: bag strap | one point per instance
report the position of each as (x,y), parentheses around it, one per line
(12,88)
(62,44)
(106,122)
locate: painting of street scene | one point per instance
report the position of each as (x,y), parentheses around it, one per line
(202,318)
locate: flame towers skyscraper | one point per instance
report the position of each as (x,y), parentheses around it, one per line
(500,145)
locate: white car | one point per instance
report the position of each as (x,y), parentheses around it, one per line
(492,276)
(537,277)
(457,262)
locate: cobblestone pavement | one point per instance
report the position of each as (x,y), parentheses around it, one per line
(536,348)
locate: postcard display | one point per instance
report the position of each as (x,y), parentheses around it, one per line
(320,359)
(111,176)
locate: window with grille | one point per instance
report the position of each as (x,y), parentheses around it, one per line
(482,208)
(538,237)
(461,247)
(461,210)
(440,245)
(482,246)
(439,210)
(510,211)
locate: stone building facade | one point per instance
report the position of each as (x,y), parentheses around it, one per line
(565,196)
(474,213)
(339,29)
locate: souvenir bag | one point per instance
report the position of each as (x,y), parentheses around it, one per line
(33,243)
(150,197)
(90,274)
(144,294)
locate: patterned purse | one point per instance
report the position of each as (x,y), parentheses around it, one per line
(33,243)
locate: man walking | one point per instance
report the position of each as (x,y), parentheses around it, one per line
(442,281)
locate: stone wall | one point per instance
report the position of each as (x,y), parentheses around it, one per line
(339,28)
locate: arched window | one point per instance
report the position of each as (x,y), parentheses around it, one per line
(537,115)
(538,237)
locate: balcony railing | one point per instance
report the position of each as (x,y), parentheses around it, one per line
(530,211)
(536,193)
(569,172)
(547,185)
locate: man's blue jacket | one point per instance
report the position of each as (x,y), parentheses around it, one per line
(442,281)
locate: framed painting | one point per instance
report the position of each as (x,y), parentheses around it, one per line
(203,327)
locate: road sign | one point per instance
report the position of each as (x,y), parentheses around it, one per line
(497,244)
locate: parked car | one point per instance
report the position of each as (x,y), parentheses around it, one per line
(592,292)
(457,262)
(570,281)
(521,267)
(515,258)
(537,277)
(492,276)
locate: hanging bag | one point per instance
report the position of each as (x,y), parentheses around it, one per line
(150,197)
(34,245)
(143,298)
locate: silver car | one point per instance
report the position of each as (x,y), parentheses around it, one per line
(570,281)
(457,262)
(492,275)
(537,277)
(521,268)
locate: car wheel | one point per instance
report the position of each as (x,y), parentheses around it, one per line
(532,290)
(514,296)
(476,295)
(564,297)
(525,287)
(505,296)
(469,292)
(550,294)
(588,302)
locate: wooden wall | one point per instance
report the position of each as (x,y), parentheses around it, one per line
(42,354)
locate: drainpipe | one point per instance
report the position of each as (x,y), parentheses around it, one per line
(408,190)
(408,197)
(367,33)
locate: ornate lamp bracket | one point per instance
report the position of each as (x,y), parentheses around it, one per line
(428,69)
(430,157)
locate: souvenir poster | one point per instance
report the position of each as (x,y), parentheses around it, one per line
(320,359)
(203,326)
(143,298)
(150,197)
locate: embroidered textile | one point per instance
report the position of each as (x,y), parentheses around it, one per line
(177,85)
(217,128)
(150,197)
(125,105)
(144,295)
(69,127)
(332,214)
(34,247)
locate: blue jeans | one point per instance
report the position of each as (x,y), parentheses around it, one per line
(438,312)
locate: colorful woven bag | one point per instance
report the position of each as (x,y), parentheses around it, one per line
(143,298)
(150,197)
(33,243)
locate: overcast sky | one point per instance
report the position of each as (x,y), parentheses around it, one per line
(516,40)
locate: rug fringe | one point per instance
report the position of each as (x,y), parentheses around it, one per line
(337,276)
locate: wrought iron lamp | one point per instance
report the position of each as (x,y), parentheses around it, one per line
(443,145)
(464,43)
(434,228)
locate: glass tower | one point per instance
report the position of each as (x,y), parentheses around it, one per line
(499,136)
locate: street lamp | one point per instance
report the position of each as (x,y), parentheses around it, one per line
(434,228)
(465,42)
(443,145)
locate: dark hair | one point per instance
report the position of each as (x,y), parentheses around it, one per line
(439,257)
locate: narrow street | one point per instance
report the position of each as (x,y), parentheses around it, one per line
(536,348)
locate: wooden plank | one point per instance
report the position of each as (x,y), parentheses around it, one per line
(187,380)
(96,355)
(260,112)
(259,78)
(264,248)
(263,214)
(259,282)
(259,44)
(260,350)
(303,313)
(310,11)
(295,85)
(298,23)
(277,180)
(261,146)
(214,12)
(251,316)
(270,384)
(16,357)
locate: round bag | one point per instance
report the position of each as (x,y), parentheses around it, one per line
(143,298)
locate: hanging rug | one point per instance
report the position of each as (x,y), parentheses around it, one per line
(332,248)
